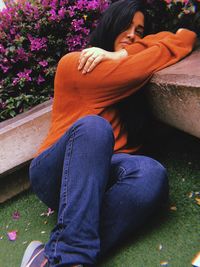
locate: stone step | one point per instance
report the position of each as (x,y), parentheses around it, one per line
(14,183)
(21,136)
(19,141)
(174,94)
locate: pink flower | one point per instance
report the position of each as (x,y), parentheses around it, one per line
(168,1)
(49,212)
(53,14)
(25,75)
(85,31)
(16,215)
(2,49)
(62,12)
(43,63)
(4,68)
(71,11)
(93,5)
(40,80)
(37,43)
(15,81)
(21,54)
(13,31)
(63,2)
(12,236)
(77,24)
(76,42)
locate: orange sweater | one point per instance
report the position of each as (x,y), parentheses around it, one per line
(78,95)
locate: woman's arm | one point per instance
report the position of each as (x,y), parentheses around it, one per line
(91,57)
(187,36)
(112,80)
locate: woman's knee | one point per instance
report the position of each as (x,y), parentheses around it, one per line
(155,179)
(152,167)
(96,128)
(148,178)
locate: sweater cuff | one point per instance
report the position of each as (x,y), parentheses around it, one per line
(188,37)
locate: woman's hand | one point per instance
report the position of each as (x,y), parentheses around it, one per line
(91,57)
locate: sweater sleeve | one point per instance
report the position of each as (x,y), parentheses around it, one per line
(152,39)
(146,42)
(111,81)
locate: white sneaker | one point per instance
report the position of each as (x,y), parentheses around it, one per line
(32,252)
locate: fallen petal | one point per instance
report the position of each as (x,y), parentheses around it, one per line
(174,208)
(12,236)
(16,215)
(164,263)
(50,211)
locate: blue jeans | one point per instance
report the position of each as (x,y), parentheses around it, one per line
(100,196)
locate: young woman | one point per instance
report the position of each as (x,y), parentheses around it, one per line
(85,168)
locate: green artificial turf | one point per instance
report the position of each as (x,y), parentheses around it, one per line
(177,232)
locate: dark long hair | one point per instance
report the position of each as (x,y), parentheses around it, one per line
(116,19)
(133,111)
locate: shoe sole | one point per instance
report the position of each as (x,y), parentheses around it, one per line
(29,251)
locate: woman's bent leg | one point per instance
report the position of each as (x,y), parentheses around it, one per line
(140,188)
(45,173)
(85,173)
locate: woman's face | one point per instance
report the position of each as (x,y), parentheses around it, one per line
(132,34)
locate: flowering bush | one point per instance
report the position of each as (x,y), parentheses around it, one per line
(35,35)
(173,14)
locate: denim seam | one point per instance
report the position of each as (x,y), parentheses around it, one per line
(65,187)
(71,142)
(123,172)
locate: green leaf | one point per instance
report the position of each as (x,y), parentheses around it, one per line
(12,113)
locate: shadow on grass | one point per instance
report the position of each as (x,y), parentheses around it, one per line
(157,221)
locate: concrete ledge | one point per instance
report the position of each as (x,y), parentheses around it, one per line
(174,94)
(21,136)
